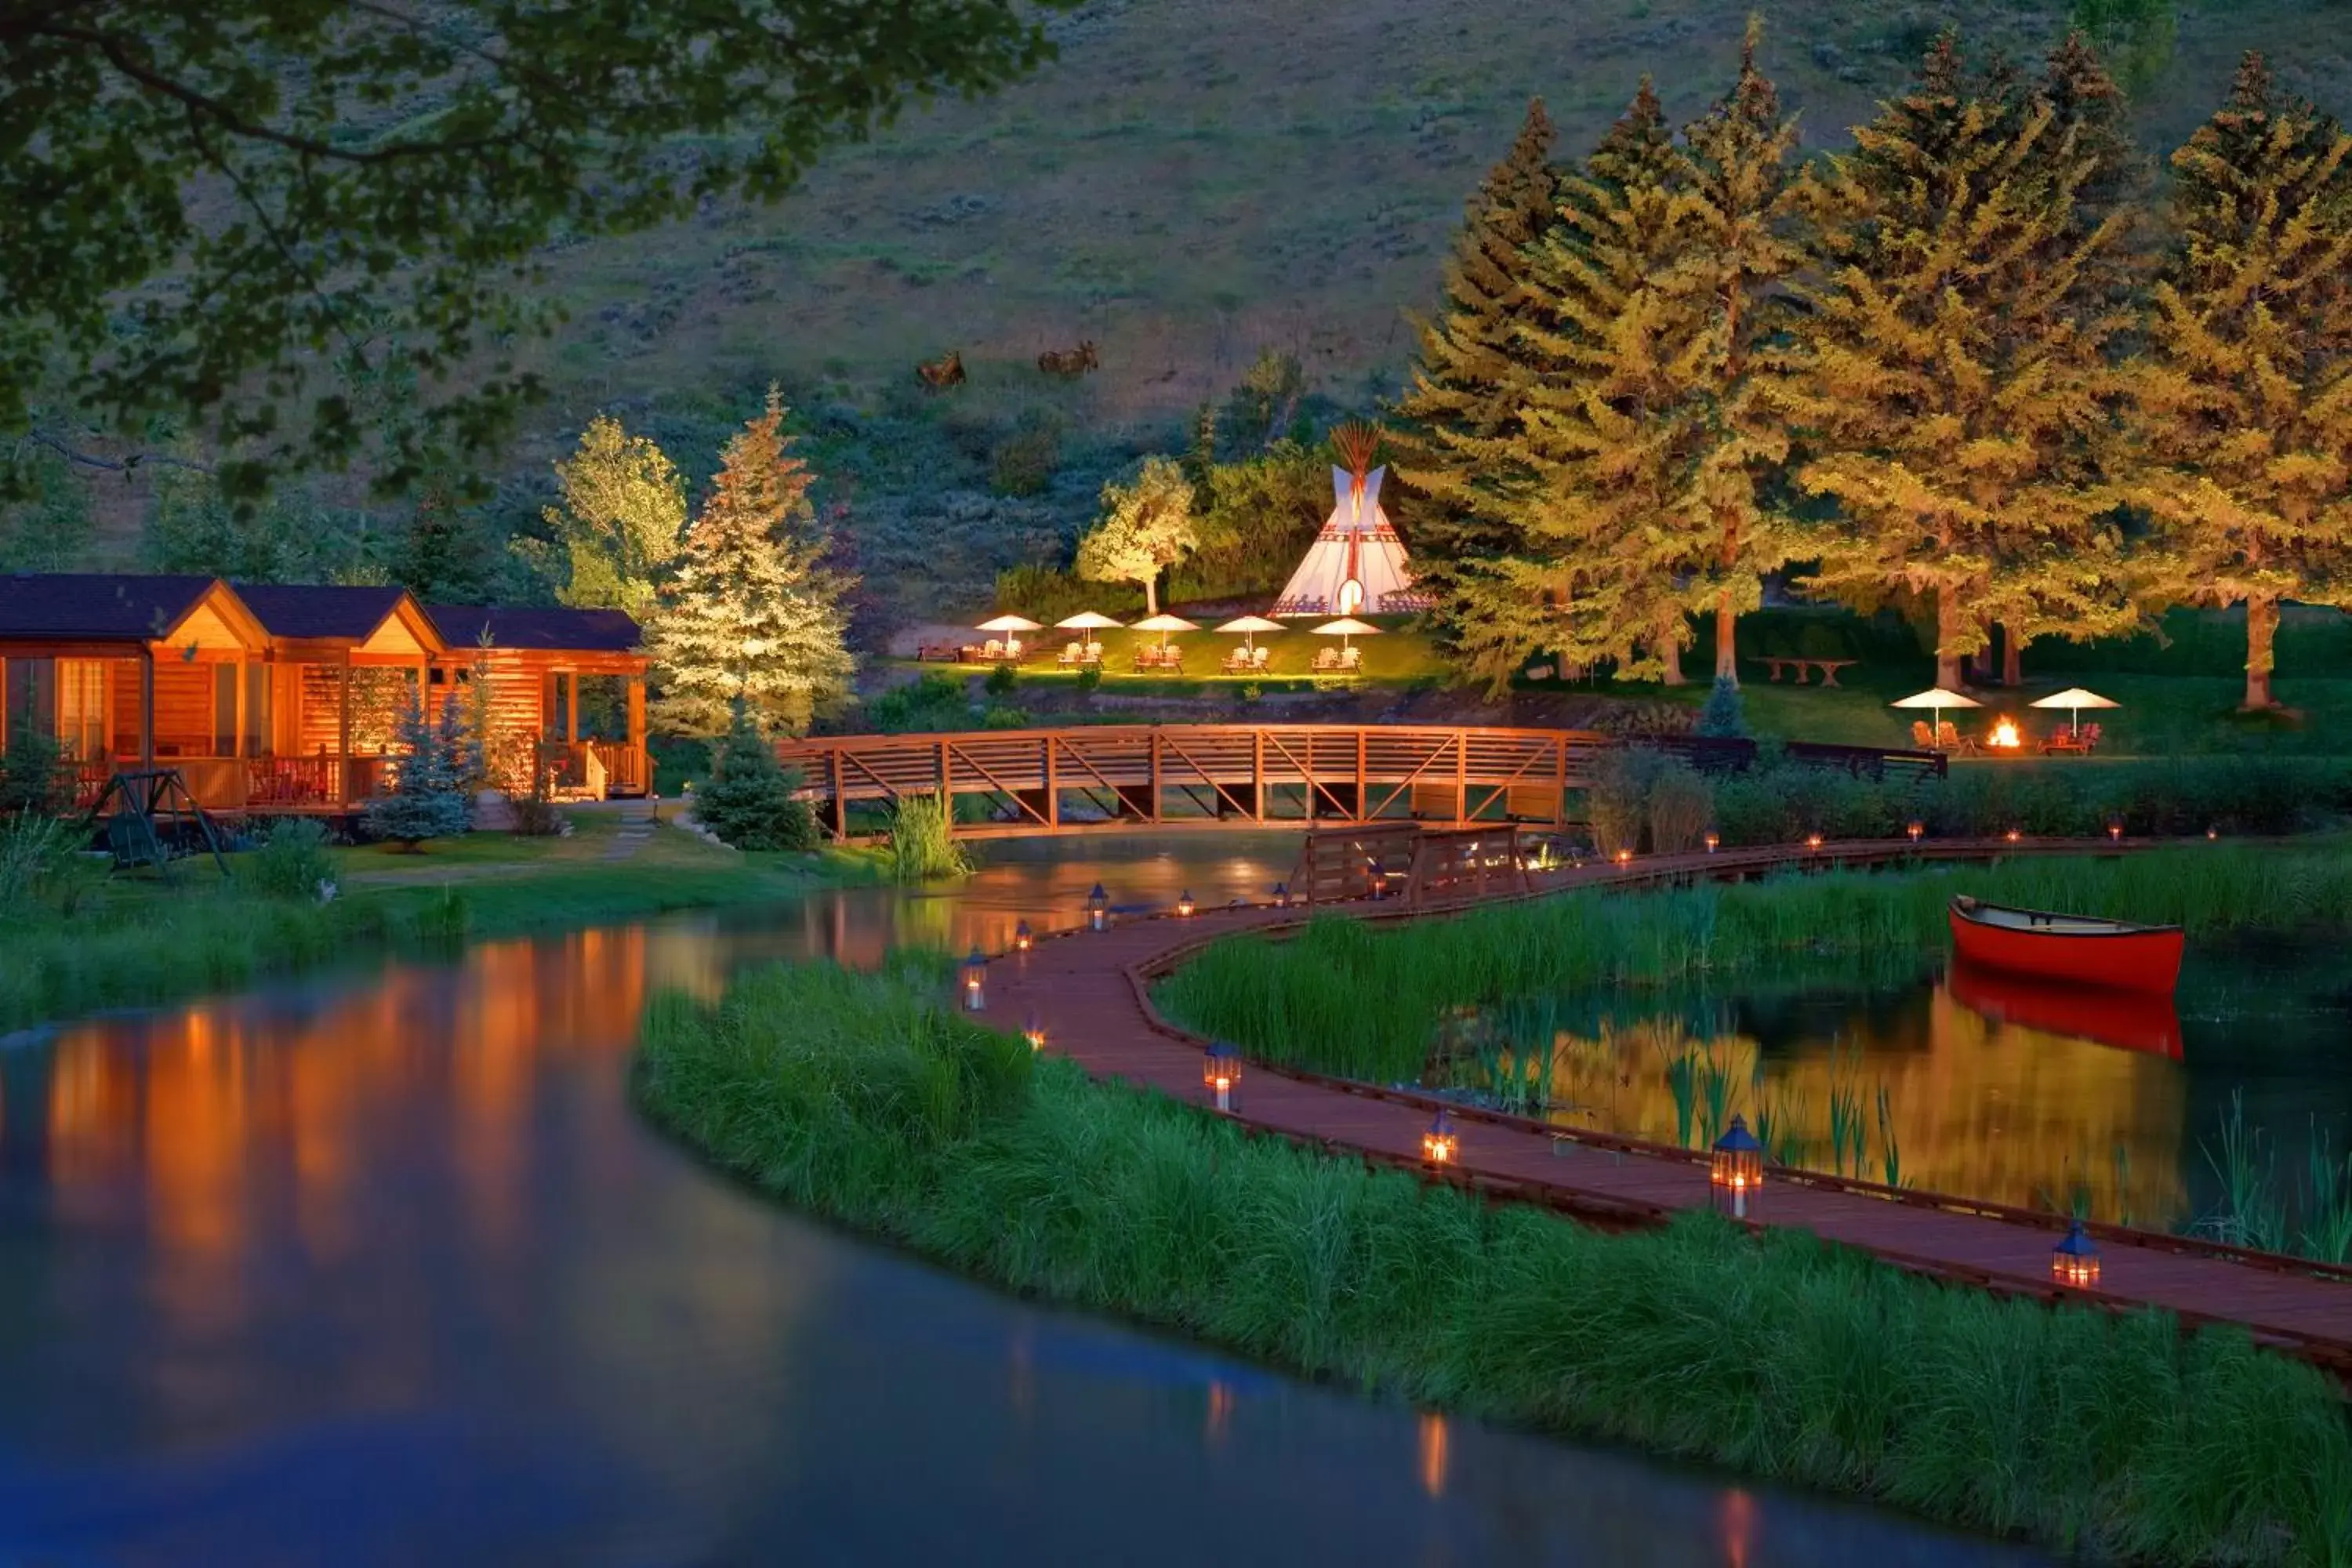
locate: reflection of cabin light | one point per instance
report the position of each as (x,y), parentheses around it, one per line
(2012,835)
(2116,831)
(2005,735)
(1439,1144)
(1099,909)
(1034,1033)
(2213,833)
(1281,895)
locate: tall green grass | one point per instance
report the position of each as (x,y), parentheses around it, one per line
(923,846)
(862,1099)
(1364,1002)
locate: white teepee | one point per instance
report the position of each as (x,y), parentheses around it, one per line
(1355,565)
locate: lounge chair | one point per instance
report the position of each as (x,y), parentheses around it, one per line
(1236,662)
(1072,655)
(1352,658)
(992,650)
(1091,658)
(1259,657)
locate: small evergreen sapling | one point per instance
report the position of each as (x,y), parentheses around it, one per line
(429,796)
(749,800)
(1724,715)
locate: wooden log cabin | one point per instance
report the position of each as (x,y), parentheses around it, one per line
(276,698)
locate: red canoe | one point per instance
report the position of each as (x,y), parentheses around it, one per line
(2131,1020)
(2116,955)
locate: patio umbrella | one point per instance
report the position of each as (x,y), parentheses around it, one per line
(1938,698)
(1248,627)
(1088,621)
(1163,623)
(1346,626)
(1010,623)
(2075,699)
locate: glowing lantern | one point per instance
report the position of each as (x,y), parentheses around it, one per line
(2005,734)
(1281,895)
(1625,856)
(1220,1068)
(975,982)
(1185,905)
(1023,939)
(1099,909)
(1035,1031)
(1712,838)
(2074,1261)
(1380,876)
(2115,829)
(2213,833)
(1916,829)
(1813,842)
(2012,835)
(1736,1169)
(1439,1145)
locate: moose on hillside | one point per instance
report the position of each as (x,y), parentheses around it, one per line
(940,373)
(1069,361)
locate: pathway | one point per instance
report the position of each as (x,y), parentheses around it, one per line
(1090,993)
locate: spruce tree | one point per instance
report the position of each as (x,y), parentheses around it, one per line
(428,797)
(750,611)
(1947,372)
(2243,400)
(1738,254)
(751,801)
(1471,375)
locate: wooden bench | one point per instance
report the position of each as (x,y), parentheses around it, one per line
(1828,667)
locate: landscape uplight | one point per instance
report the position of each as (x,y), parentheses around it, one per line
(2115,831)
(2074,1261)
(2012,835)
(1734,1169)
(1099,909)
(975,981)
(1916,828)
(1220,1068)
(1439,1144)
(1813,842)
(1023,939)
(1625,856)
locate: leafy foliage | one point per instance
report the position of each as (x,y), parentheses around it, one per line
(620,518)
(749,800)
(752,612)
(1147,527)
(291,862)
(258,184)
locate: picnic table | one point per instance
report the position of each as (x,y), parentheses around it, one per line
(1828,667)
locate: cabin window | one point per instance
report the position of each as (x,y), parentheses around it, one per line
(257,710)
(82,708)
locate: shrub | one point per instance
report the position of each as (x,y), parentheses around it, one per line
(1723,715)
(750,800)
(933,701)
(33,774)
(1618,799)
(1023,463)
(1004,717)
(291,861)
(1681,805)
(35,851)
(1049,594)
(1000,681)
(1089,680)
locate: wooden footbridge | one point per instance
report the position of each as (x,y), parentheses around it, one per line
(1090,993)
(1028,782)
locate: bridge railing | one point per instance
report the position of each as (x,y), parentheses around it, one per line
(1014,782)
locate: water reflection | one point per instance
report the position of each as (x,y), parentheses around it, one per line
(381,1267)
(1967,1081)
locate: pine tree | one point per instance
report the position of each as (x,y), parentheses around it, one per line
(750,611)
(1590,484)
(621,514)
(1471,374)
(428,797)
(751,799)
(1947,373)
(1738,255)
(2243,400)
(1146,528)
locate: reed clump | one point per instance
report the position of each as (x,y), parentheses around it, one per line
(923,846)
(862,1099)
(1343,997)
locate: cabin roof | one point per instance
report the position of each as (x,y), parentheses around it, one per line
(536,628)
(297,610)
(100,606)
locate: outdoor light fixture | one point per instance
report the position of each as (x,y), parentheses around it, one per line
(1916,829)
(1033,1031)
(1220,1068)
(1439,1145)
(1813,842)
(1380,879)
(1099,910)
(2012,835)
(1185,905)
(2115,829)
(1281,895)
(1625,856)
(2213,833)
(975,982)
(1736,1169)
(1713,839)
(2075,1259)
(1023,939)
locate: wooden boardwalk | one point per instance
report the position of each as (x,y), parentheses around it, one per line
(1091,992)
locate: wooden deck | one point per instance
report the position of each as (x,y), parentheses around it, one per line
(1091,994)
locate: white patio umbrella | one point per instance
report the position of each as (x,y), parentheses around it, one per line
(1011,624)
(1247,627)
(1347,626)
(1088,621)
(1937,698)
(1163,623)
(2075,699)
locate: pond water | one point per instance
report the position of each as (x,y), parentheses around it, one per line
(380,1268)
(1967,1081)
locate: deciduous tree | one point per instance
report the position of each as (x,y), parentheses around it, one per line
(621,514)
(2243,400)
(1146,528)
(750,612)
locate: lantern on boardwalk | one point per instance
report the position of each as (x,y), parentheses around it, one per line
(1916,829)
(2013,835)
(1185,905)
(1281,895)
(1439,1144)
(975,982)
(2115,831)
(1220,1068)
(2074,1261)
(1023,939)
(1099,910)
(1813,843)
(1624,857)
(1713,840)
(1736,1169)
(1033,1031)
